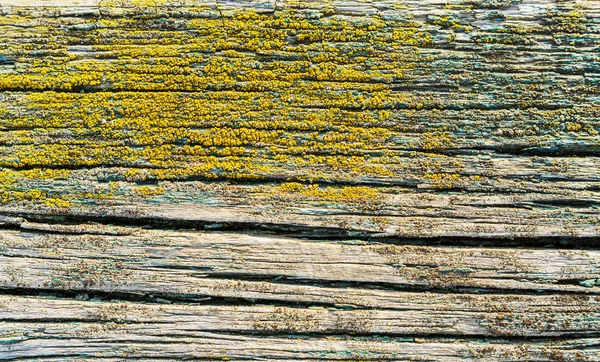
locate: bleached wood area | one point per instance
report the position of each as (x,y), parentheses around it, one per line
(300,180)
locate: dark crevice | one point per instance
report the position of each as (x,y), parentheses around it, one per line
(542,204)
(392,286)
(178,338)
(366,336)
(516,150)
(340,333)
(267,299)
(280,179)
(327,233)
(157,298)
(568,202)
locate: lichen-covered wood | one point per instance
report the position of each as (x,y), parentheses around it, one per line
(315,180)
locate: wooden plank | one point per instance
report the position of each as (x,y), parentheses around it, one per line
(437,318)
(169,260)
(36,327)
(213,346)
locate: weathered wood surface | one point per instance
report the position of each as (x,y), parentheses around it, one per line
(285,180)
(183,261)
(105,329)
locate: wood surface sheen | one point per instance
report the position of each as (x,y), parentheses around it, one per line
(300,180)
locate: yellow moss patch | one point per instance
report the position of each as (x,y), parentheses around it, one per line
(331,193)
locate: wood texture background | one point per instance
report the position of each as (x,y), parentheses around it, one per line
(294,180)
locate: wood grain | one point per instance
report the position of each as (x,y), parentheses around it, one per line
(294,180)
